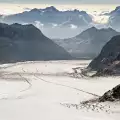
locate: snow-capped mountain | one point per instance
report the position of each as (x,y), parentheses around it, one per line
(50,17)
(87,44)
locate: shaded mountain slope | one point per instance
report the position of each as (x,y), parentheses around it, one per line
(26,42)
(108,61)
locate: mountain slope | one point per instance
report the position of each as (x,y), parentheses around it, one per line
(108,61)
(115,18)
(87,44)
(26,43)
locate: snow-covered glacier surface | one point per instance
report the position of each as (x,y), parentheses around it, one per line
(51,91)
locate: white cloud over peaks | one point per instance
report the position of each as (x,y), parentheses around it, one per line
(72,26)
(27,9)
(38,24)
(54,25)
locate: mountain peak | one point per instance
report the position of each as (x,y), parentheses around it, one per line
(117,8)
(93,31)
(52,8)
(18,31)
(116,11)
(93,28)
(76,10)
(27,43)
(90,31)
(28,26)
(102,29)
(35,10)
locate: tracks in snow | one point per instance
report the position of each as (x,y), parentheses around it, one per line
(44,80)
(80,90)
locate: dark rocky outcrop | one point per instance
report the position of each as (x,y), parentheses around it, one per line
(108,61)
(27,43)
(111,95)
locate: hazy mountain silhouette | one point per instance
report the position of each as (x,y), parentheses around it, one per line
(27,43)
(52,21)
(87,44)
(114,19)
(49,16)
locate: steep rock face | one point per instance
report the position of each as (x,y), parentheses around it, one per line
(89,43)
(26,43)
(111,95)
(108,61)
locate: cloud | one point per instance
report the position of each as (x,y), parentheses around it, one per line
(54,25)
(38,24)
(27,9)
(73,26)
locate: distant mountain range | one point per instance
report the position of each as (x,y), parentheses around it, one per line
(50,16)
(62,24)
(71,21)
(27,43)
(89,43)
(114,19)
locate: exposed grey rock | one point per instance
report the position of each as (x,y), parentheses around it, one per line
(111,95)
(108,61)
(109,54)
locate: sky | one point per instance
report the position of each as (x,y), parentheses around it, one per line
(63,1)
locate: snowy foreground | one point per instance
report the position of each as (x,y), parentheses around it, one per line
(51,91)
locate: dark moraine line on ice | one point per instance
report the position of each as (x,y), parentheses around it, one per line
(67,86)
